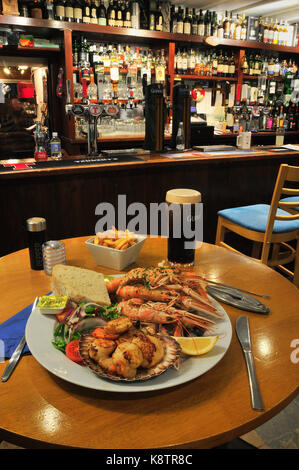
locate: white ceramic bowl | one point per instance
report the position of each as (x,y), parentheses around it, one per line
(112,258)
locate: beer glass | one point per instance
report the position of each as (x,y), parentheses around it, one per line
(185,224)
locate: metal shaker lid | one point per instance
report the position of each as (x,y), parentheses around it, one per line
(183,196)
(36,224)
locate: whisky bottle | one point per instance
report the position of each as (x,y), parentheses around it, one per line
(36,9)
(69,11)
(86,11)
(93,13)
(201,24)
(127,15)
(214,25)
(50,15)
(180,21)
(119,15)
(266,31)
(173,19)
(232,66)
(207,22)
(244,28)
(187,22)
(226,26)
(78,14)
(194,26)
(159,18)
(59,11)
(111,14)
(101,14)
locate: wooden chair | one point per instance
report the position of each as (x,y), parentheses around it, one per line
(270,227)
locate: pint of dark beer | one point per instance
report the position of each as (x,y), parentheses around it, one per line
(183,210)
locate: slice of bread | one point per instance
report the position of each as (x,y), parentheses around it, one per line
(81,285)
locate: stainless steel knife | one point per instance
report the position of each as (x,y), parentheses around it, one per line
(16,355)
(243,333)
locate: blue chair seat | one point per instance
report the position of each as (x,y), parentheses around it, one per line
(292,199)
(255,218)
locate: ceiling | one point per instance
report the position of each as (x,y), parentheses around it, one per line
(281,9)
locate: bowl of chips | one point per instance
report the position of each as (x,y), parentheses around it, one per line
(115,249)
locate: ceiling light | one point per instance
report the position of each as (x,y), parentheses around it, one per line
(6,70)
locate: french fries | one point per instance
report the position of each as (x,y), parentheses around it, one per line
(117,239)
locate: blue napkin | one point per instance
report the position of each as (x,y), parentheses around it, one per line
(12,331)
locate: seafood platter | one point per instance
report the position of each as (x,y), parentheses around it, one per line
(149,329)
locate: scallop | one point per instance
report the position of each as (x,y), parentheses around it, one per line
(170,359)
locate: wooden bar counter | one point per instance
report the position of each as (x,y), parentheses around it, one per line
(67,195)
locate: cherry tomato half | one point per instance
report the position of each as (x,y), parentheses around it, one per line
(72,351)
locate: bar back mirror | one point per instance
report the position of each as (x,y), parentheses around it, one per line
(23,101)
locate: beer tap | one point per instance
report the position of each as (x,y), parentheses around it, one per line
(91,113)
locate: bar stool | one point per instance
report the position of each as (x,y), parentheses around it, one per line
(270,227)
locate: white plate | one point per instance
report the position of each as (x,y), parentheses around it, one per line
(39,337)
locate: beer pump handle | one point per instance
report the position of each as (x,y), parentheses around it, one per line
(68,92)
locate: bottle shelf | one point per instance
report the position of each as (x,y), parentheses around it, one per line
(207,77)
(256,77)
(133,35)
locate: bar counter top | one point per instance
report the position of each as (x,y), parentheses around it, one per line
(67,193)
(28,167)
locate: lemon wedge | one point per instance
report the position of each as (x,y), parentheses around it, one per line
(196,346)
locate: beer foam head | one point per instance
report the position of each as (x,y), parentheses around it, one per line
(183,196)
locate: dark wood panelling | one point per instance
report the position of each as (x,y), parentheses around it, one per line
(68,201)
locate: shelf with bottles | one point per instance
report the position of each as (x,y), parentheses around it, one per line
(114,71)
(132,34)
(209,64)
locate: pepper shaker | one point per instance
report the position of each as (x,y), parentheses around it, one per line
(36,227)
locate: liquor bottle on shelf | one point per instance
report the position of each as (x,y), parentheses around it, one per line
(173,19)
(86,11)
(111,14)
(119,22)
(92,91)
(266,31)
(180,21)
(59,10)
(93,12)
(152,15)
(220,30)
(49,13)
(270,32)
(36,9)
(194,26)
(76,49)
(69,11)
(23,9)
(191,62)
(214,24)
(159,18)
(243,28)
(238,27)
(102,14)
(226,26)
(160,68)
(78,12)
(207,21)
(127,15)
(187,22)
(201,24)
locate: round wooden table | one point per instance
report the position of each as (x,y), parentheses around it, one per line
(38,409)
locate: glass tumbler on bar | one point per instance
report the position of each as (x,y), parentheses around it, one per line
(185,225)
(279,140)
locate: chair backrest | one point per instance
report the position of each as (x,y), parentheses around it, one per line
(286,174)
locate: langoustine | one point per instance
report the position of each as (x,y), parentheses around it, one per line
(166,295)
